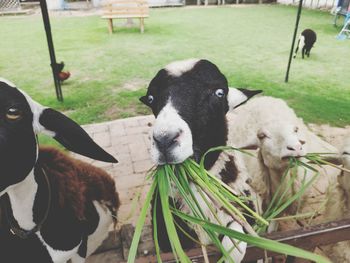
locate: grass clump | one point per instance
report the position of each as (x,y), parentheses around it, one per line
(189,179)
(281,200)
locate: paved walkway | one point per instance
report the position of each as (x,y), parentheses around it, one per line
(128,140)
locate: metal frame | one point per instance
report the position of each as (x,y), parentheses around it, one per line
(54,64)
(293,41)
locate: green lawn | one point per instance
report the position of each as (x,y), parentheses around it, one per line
(249,44)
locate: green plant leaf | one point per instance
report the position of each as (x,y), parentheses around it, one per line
(260,242)
(140,223)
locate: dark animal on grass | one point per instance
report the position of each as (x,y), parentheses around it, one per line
(57,207)
(306,41)
(190,100)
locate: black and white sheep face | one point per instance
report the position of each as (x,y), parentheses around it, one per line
(279,141)
(21,119)
(189,100)
(18,149)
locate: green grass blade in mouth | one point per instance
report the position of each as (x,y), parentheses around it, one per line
(276,207)
(279,189)
(163,183)
(318,159)
(140,223)
(155,230)
(223,190)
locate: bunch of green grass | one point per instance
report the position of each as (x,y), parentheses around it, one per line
(281,201)
(186,179)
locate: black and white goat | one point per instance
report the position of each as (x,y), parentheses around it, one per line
(58,208)
(306,41)
(190,100)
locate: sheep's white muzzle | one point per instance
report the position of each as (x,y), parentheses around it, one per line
(296,151)
(171,137)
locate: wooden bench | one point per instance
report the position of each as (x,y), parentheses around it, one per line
(116,9)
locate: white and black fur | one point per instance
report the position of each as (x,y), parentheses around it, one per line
(62,235)
(190,100)
(306,41)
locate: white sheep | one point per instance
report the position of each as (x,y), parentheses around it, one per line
(270,125)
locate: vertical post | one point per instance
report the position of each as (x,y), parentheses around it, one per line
(110,25)
(47,26)
(294,37)
(142,25)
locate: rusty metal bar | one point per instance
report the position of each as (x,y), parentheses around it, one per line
(307,238)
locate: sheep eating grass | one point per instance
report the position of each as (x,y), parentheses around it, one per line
(270,125)
(190,100)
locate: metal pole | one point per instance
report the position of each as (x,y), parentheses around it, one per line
(47,26)
(294,37)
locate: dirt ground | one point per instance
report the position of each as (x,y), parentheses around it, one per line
(333,135)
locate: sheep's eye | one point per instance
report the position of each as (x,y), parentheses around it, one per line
(296,129)
(150,99)
(13,114)
(262,135)
(220,93)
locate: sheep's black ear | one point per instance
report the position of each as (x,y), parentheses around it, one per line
(250,93)
(144,100)
(237,97)
(72,136)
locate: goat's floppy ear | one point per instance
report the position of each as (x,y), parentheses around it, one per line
(144,100)
(252,144)
(237,97)
(71,135)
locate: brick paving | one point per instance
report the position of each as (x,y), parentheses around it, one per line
(128,140)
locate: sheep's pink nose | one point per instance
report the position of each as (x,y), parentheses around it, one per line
(297,149)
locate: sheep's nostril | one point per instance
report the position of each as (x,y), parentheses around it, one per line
(166,141)
(302,142)
(290,148)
